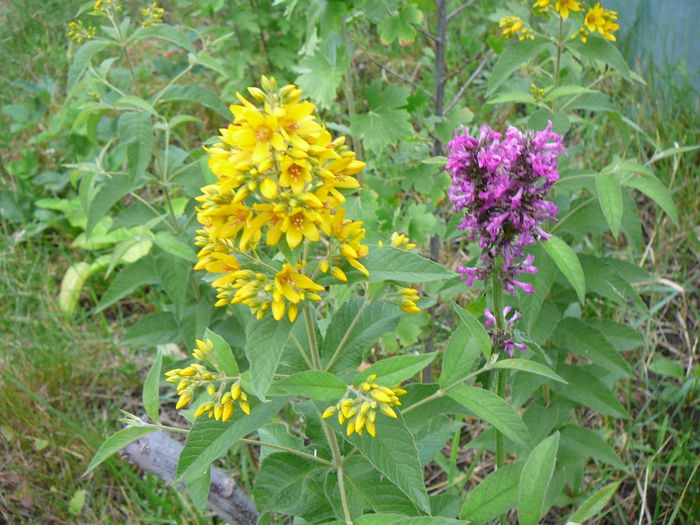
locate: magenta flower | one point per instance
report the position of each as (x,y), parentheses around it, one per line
(501,339)
(501,183)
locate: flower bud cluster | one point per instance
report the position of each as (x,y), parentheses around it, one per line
(501,338)
(359,406)
(280,175)
(501,184)
(152,15)
(195,377)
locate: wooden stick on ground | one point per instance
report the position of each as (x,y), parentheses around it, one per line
(158,453)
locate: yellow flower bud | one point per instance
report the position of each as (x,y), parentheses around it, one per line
(227,411)
(328,412)
(387,411)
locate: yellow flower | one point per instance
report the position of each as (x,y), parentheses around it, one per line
(296,173)
(294,287)
(153,15)
(511,25)
(360,405)
(564,6)
(78,32)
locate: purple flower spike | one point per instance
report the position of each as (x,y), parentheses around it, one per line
(501,184)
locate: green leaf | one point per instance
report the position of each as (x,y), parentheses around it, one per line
(168,33)
(597,48)
(154,329)
(492,409)
(610,198)
(394,370)
(198,489)
(222,354)
(265,341)
(593,505)
(541,118)
(393,452)
(128,280)
(400,519)
(355,326)
(519,96)
(279,485)
(588,390)
(532,367)
(151,388)
(115,443)
(581,338)
(656,191)
(476,330)
(534,480)
(667,367)
(196,94)
(399,26)
(321,75)
(74,280)
(96,206)
(209,439)
(588,443)
(314,384)
(567,261)
(460,357)
(384,124)
(494,496)
(82,58)
(136,131)
(515,55)
(370,489)
(174,246)
(565,91)
(386,263)
(135,102)
(77,502)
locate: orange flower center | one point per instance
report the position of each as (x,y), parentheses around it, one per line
(263,133)
(298,222)
(295,172)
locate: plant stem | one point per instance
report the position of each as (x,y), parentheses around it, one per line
(558,67)
(330,434)
(497,291)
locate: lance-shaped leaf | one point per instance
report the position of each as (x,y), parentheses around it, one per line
(151,388)
(492,409)
(476,330)
(222,353)
(209,439)
(265,342)
(393,370)
(460,357)
(494,496)
(115,443)
(386,263)
(534,480)
(314,384)
(532,367)
(393,453)
(593,505)
(568,263)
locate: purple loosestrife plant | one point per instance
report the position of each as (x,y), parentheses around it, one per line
(501,184)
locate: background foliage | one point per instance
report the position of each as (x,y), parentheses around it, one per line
(89,295)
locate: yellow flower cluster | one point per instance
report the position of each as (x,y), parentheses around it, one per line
(537,93)
(152,15)
(360,410)
(563,7)
(279,179)
(512,25)
(100,7)
(408,298)
(599,19)
(78,32)
(399,240)
(196,376)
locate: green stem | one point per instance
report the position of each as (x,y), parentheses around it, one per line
(500,374)
(330,434)
(122,42)
(556,71)
(287,449)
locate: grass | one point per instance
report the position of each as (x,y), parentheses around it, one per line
(61,383)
